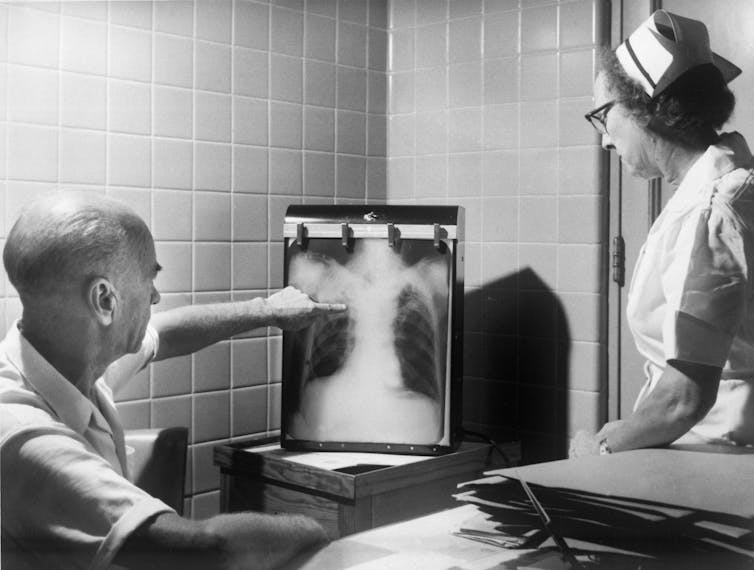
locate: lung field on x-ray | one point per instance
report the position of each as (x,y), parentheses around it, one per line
(386,355)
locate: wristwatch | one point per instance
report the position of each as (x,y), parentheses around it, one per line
(604,447)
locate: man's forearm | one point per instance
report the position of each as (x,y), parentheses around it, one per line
(184,330)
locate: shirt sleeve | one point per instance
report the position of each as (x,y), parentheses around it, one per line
(64,505)
(126,367)
(706,286)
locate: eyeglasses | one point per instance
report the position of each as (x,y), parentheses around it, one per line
(598,117)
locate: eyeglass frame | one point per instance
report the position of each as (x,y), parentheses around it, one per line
(598,117)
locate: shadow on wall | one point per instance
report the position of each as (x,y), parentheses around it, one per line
(516,365)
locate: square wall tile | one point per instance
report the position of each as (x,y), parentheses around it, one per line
(584,411)
(501,81)
(176,261)
(174,17)
(577,73)
(274,406)
(581,219)
(352,44)
(81,45)
(212,216)
(134,414)
(401,92)
(539,76)
(431,132)
(465,88)
(580,170)
(171,377)
(130,54)
(432,45)
(539,168)
(351,89)
(319,129)
(401,135)
(319,88)
(173,57)
(573,129)
(173,112)
(250,70)
(212,368)
(82,156)
(205,505)
(351,132)
(500,173)
(351,176)
(32,153)
(129,160)
(319,38)
(465,175)
(249,265)
(249,217)
(88,10)
(211,416)
(286,124)
(250,121)
(138,199)
(206,474)
(249,361)
(212,117)
(540,118)
(212,63)
(286,32)
(275,266)
(582,316)
(581,268)
(286,172)
(134,14)
(501,129)
(211,166)
(377,135)
(542,261)
(275,358)
(431,176)
(538,219)
(172,215)
(129,107)
(83,101)
(431,89)
(249,169)
(401,51)
(376,92)
(213,20)
(465,130)
(212,267)
(249,410)
(286,78)
(251,25)
(583,362)
(353,11)
(501,34)
(171,412)
(539,28)
(500,219)
(322,7)
(319,174)
(465,40)
(173,163)
(577,23)
(33,36)
(377,49)
(32,95)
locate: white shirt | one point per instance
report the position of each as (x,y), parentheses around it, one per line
(65,498)
(691,293)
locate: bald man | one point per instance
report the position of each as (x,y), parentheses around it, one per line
(84,268)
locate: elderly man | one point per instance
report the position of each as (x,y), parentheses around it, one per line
(84,267)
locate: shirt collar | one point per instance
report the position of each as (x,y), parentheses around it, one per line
(730,153)
(65,400)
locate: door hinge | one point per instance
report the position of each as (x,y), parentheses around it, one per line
(619,261)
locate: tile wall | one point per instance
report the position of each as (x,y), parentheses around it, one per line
(208,117)
(485,109)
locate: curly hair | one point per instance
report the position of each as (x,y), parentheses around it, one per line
(690,111)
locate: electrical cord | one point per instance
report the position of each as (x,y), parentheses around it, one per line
(495,446)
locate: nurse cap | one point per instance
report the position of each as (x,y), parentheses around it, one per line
(666,46)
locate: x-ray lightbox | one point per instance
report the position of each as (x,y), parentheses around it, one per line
(385,376)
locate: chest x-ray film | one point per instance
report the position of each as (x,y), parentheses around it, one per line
(384,375)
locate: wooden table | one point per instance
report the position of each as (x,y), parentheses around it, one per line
(340,490)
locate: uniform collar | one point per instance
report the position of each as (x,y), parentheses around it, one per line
(63,398)
(731,152)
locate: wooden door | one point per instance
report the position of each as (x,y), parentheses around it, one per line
(730,24)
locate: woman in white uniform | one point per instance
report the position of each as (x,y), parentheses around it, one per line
(661,99)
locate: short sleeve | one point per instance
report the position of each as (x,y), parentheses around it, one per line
(707,284)
(63,506)
(126,367)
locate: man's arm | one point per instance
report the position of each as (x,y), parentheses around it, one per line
(185,330)
(228,542)
(684,394)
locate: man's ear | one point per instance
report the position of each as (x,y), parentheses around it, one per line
(103,300)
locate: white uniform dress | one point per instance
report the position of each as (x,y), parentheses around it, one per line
(691,293)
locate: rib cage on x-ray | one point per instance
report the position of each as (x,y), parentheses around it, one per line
(388,352)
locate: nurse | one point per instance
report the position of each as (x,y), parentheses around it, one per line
(661,99)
